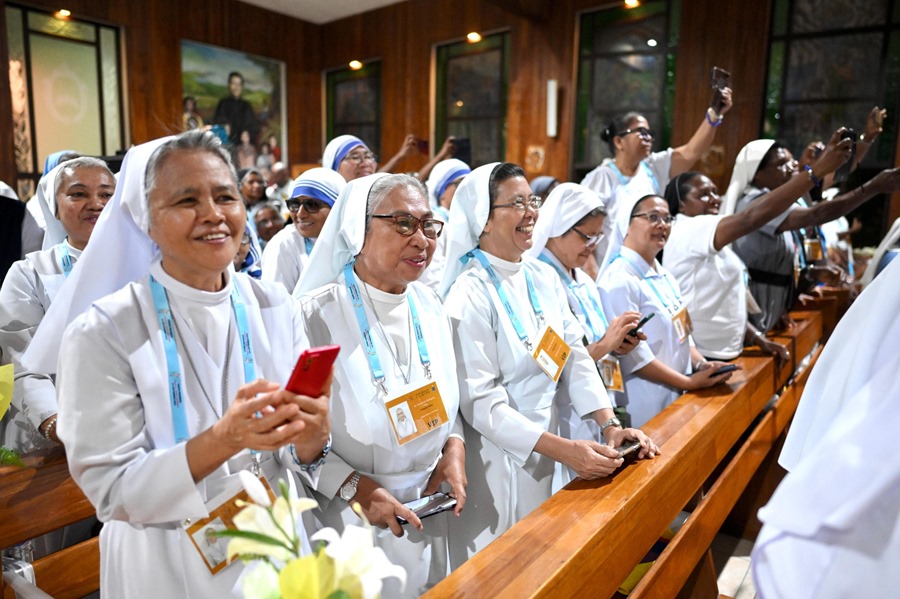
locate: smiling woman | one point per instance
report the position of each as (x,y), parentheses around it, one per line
(72,196)
(361,291)
(520,355)
(164,383)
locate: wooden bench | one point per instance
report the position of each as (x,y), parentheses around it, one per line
(41,498)
(586,539)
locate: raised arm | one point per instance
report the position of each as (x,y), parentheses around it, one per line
(735,226)
(684,157)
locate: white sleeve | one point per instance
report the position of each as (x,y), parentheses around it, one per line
(620,296)
(111,454)
(660,164)
(279,265)
(21,310)
(483,400)
(580,377)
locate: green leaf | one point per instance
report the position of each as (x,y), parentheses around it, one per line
(10,457)
(252,536)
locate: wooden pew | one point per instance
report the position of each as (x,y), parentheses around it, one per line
(41,498)
(586,539)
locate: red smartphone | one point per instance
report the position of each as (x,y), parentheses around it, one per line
(312,370)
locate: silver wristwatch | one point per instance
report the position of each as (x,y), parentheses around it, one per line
(611,422)
(348,489)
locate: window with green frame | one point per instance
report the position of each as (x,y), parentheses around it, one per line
(66,89)
(626,61)
(830,62)
(353,104)
(470,97)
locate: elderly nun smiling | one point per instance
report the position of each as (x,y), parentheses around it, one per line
(520,353)
(160,381)
(361,291)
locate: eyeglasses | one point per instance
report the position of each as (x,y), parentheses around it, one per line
(655,218)
(406,225)
(521,204)
(708,197)
(642,131)
(360,157)
(245,240)
(312,206)
(589,240)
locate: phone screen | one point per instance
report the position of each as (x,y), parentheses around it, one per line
(843,171)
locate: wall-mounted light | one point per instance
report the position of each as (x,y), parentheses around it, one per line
(632,3)
(473,37)
(552,98)
(651,42)
(355,65)
(459,103)
(62,13)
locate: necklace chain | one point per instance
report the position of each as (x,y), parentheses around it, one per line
(190,360)
(395,355)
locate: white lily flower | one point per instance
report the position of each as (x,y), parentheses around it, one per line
(261,582)
(355,555)
(255,489)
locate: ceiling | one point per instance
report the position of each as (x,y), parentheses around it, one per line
(320,11)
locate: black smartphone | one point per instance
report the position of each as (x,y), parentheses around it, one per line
(462,150)
(429,506)
(628,448)
(843,171)
(719,79)
(634,332)
(422,145)
(725,369)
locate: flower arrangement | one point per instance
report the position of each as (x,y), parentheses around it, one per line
(347,566)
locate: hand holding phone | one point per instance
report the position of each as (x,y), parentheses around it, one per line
(634,332)
(429,506)
(719,80)
(628,448)
(843,171)
(312,371)
(725,369)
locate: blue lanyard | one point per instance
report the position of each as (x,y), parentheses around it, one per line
(626,180)
(167,326)
(65,260)
(309,245)
(504,298)
(575,287)
(800,248)
(368,342)
(676,297)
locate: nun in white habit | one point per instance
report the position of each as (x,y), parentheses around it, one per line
(565,236)
(287,254)
(71,196)
(445,177)
(832,528)
(519,354)
(360,292)
(349,156)
(160,380)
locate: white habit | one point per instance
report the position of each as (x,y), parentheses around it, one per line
(116,422)
(363,438)
(631,284)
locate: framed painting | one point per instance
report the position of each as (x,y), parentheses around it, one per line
(240,96)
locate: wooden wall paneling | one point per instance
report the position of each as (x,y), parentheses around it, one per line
(734,36)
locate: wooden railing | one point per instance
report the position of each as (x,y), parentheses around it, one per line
(582,542)
(41,498)
(586,539)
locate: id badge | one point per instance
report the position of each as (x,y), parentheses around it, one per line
(202,532)
(683,325)
(813,250)
(551,353)
(416,411)
(611,373)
